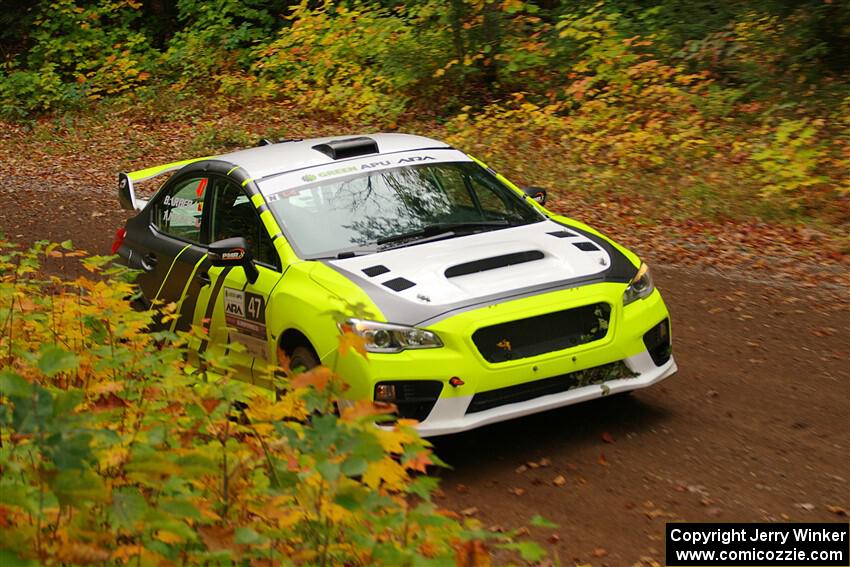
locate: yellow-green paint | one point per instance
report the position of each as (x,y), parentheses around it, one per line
(258,199)
(232,169)
(246,182)
(168,273)
(143,174)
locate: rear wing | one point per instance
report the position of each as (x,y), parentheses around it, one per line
(126,182)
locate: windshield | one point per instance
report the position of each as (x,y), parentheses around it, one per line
(394,207)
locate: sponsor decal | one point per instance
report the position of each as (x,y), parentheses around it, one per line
(178,202)
(246,312)
(283,185)
(233,254)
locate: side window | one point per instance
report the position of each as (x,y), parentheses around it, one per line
(233,214)
(180,212)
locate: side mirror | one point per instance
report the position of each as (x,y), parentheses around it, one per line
(234,252)
(536,193)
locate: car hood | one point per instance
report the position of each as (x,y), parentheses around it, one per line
(415,284)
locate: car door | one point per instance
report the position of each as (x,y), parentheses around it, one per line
(170,239)
(235,309)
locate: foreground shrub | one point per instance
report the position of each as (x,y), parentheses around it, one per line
(114,450)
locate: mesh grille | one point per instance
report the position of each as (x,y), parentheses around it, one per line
(544,333)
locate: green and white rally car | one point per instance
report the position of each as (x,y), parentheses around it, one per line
(480,304)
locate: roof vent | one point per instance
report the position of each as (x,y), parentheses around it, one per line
(348,148)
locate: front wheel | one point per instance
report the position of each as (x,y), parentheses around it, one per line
(302,359)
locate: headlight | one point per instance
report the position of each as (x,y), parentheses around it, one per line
(386,337)
(640,286)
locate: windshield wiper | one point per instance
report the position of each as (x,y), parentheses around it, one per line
(444,229)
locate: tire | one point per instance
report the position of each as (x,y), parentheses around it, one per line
(303,358)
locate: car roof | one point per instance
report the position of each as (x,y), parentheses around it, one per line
(285,156)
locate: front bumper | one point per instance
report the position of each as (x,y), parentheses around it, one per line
(449,414)
(459,357)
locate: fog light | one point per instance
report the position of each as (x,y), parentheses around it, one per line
(385,392)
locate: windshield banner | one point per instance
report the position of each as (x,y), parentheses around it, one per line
(288,183)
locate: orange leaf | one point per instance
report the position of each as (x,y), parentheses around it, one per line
(350,341)
(74,552)
(420,462)
(363,408)
(217,538)
(317,377)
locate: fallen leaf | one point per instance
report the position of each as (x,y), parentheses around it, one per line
(521,469)
(607,437)
(600,552)
(602,460)
(472,554)
(559,480)
(837,510)
(471,511)
(461,488)
(516,491)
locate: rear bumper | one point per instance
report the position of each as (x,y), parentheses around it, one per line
(449,414)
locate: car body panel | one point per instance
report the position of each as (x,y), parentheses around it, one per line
(311,297)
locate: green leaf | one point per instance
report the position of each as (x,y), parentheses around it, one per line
(247,536)
(539,521)
(354,466)
(72,486)
(13,385)
(67,245)
(54,360)
(128,507)
(9,559)
(329,470)
(528,550)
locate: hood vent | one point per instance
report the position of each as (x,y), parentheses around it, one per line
(586,246)
(399,284)
(493,263)
(562,234)
(373,271)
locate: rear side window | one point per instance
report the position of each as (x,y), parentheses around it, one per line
(180,211)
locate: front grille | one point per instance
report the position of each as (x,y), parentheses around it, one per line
(415,398)
(555,385)
(543,333)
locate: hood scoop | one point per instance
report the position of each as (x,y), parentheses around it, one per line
(493,263)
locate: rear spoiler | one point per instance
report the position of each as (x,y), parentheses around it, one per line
(126,181)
